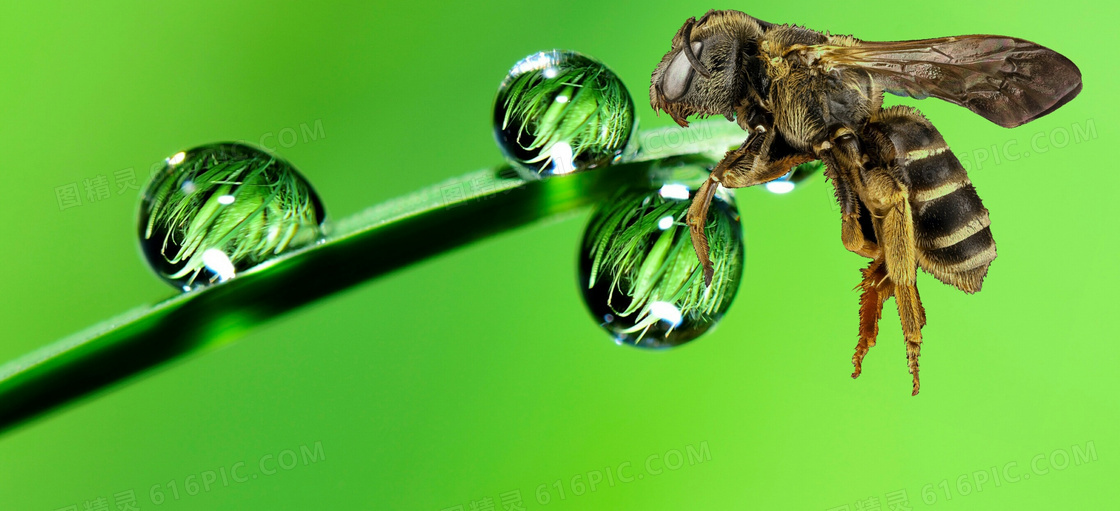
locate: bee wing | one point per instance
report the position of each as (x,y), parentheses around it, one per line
(1006,80)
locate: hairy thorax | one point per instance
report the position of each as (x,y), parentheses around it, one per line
(811,104)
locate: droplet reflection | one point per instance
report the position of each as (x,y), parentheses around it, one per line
(639,273)
(559,112)
(217,210)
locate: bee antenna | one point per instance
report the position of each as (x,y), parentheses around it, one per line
(692,60)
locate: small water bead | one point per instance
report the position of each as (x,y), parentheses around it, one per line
(794,178)
(640,276)
(559,112)
(217,210)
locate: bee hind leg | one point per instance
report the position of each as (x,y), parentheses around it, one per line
(876,287)
(895,232)
(913,317)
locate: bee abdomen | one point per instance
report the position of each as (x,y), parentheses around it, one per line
(951,226)
(954,238)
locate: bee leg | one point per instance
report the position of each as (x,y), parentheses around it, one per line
(761,158)
(876,289)
(697,215)
(913,318)
(764,157)
(851,232)
(696,218)
(895,231)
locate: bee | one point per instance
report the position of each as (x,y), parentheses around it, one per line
(905,200)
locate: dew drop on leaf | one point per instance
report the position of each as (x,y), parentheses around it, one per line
(559,112)
(640,276)
(217,210)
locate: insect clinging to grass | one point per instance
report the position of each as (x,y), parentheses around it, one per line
(906,201)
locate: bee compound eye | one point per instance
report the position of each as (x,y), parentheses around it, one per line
(675,81)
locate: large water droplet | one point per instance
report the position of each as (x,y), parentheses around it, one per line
(639,273)
(559,112)
(217,210)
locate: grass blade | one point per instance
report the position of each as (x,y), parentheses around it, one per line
(425,222)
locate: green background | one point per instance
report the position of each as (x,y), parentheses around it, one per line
(480,372)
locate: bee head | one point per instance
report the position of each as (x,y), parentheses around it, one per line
(706,70)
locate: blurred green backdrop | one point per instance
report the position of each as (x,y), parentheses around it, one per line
(480,375)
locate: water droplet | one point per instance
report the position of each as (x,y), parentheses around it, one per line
(559,112)
(639,273)
(794,178)
(780,186)
(217,210)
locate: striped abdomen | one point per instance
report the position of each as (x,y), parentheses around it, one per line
(951,225)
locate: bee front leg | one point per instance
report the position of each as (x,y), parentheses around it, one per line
(761,158)
(764,157)
(696,219)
